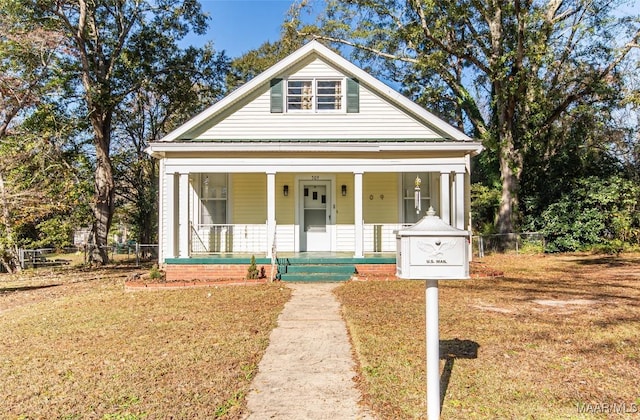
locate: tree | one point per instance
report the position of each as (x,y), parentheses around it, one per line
(194,79)
(26,55)
(111,49)
(626,136)
(520,71)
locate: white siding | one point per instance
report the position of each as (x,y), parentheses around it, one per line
(377,118)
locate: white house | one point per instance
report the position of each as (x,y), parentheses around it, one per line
(312,157)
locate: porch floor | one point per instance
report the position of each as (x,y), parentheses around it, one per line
(294,266)
(298,257)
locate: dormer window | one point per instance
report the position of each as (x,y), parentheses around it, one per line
(315,95)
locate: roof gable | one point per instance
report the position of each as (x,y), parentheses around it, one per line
(212,124)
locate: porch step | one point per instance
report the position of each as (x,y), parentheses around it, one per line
(315,272)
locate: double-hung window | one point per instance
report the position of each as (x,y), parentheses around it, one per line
(213,199)
(314,95)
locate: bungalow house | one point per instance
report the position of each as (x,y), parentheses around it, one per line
(314,158)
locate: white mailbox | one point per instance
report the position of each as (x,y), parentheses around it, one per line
(432,249)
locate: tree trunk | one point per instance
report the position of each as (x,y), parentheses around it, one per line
(104,194)
(10,255)
(510,163)
(509,194)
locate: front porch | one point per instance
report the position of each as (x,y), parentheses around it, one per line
(214,222)
(309,266)
(205,213)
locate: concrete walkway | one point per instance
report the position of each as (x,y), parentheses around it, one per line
(307,371)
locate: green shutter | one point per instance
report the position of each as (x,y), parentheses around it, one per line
(353,96)
(276,96)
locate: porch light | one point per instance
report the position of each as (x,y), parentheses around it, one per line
(343,189)
(285,190)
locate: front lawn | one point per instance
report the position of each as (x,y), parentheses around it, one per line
(73,345)
(557,337)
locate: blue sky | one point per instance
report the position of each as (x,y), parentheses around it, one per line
(238,26)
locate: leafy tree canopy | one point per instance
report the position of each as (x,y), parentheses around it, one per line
(520,75)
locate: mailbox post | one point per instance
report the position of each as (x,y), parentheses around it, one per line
(432,250)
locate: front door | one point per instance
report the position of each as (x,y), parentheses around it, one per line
(315,215)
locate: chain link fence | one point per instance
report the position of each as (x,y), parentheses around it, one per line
(519,243)
(126,253)
(138,254)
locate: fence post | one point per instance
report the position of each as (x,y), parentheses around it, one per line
(137,254)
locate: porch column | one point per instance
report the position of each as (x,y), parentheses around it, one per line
(459,200)
(271,211)
(170,198)
(445,197)
(358,216)
(183,216)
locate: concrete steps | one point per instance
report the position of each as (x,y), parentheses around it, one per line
(314,271)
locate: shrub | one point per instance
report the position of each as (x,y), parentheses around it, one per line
(485,202)
(155,273)
(613,247)
(252,272)
(595,211)
(531,247)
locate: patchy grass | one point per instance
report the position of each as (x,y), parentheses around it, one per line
(556,337)
(73,344)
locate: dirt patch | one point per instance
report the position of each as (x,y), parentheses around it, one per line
(557,303)
(34,286)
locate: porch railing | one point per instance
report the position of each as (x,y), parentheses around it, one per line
(381,237)
(213,239)
(252,238)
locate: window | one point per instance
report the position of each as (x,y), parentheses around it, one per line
(314,95)
(213,199)
(408,196)
(329,95)
(299,95)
